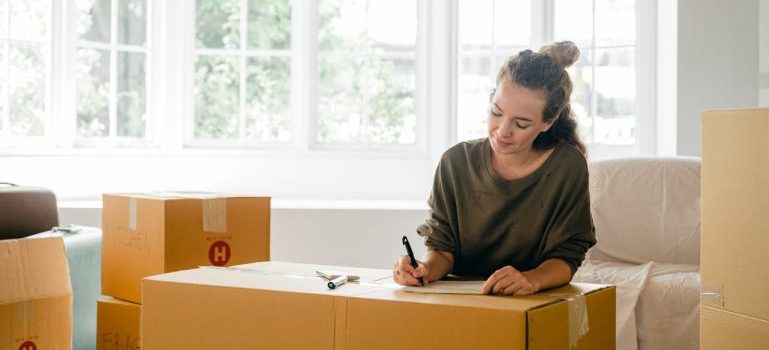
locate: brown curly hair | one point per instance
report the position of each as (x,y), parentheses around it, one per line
(546,71)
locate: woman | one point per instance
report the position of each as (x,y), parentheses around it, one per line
(513,207)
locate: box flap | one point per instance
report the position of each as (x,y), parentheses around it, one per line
(33,268)
(721,329)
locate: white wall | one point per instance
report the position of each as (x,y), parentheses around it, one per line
(289,176)
(717,62)
(352,233)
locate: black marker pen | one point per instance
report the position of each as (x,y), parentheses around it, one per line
(411,256)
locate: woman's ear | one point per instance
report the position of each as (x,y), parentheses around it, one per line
(548,124)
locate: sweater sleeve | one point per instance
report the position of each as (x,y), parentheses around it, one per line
(436,229)
(572,231)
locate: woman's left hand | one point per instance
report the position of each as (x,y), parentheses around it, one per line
(509,281)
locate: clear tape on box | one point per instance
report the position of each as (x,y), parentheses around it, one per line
(579,324)
(214,209)
(711,295)
(132,213)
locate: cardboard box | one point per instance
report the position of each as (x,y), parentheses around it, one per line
(720,329)
(149,234)
(735,211)
(118,325)
(35,295)
(284,306)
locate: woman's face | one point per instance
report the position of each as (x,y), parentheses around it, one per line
(515,118)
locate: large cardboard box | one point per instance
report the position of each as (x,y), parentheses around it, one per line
(284,306)
(35,295)
(735,211)
(149,234)
(721,329)
(118,325)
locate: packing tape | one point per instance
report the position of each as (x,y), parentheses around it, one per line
(711,295)
(215,215)
(214,208)
(132,213)
(579,324)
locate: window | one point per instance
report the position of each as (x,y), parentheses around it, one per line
(242,72)
(255,95)
(25,73)
(367,72)
(111,70)
(363,75)
(605,99)
(490,31)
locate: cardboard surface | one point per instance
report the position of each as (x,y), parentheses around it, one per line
(149,234)
(118,325)
(284,306)
(720,329)
(735,210)
(35,295)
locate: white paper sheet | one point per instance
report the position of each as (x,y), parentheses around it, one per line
(448,287)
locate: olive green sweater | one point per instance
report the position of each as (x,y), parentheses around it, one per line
(488,222)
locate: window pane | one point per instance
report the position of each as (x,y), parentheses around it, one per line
(269,24)
(267,100)
(3,19)
(365,94)
(27,89)
(340,100)
(93,22)
(581,74)
(132,22)
(512,22)
(386,37)
(615,92)
(391,108)
(131,95)
(218,24)
(574,21)
(342,25)
(29,19)
(92,83)
(216,97)
(475,24)
(475,84)
(615,22)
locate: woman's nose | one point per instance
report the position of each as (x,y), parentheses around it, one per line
(506,129)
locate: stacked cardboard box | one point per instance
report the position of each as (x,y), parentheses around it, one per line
(35,295)
(735,230)
(153,233)
(274,305)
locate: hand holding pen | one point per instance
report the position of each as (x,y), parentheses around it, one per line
(408,271)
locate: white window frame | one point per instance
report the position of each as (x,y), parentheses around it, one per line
(113,48)
(542,25)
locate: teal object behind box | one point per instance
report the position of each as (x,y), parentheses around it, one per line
(83,249)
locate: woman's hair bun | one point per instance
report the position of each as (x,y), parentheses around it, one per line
(565,53)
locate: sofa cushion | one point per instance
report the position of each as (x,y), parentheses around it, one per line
(646,209)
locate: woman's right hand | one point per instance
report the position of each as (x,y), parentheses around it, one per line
(406,275)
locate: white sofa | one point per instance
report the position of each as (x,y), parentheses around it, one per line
(647,218)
